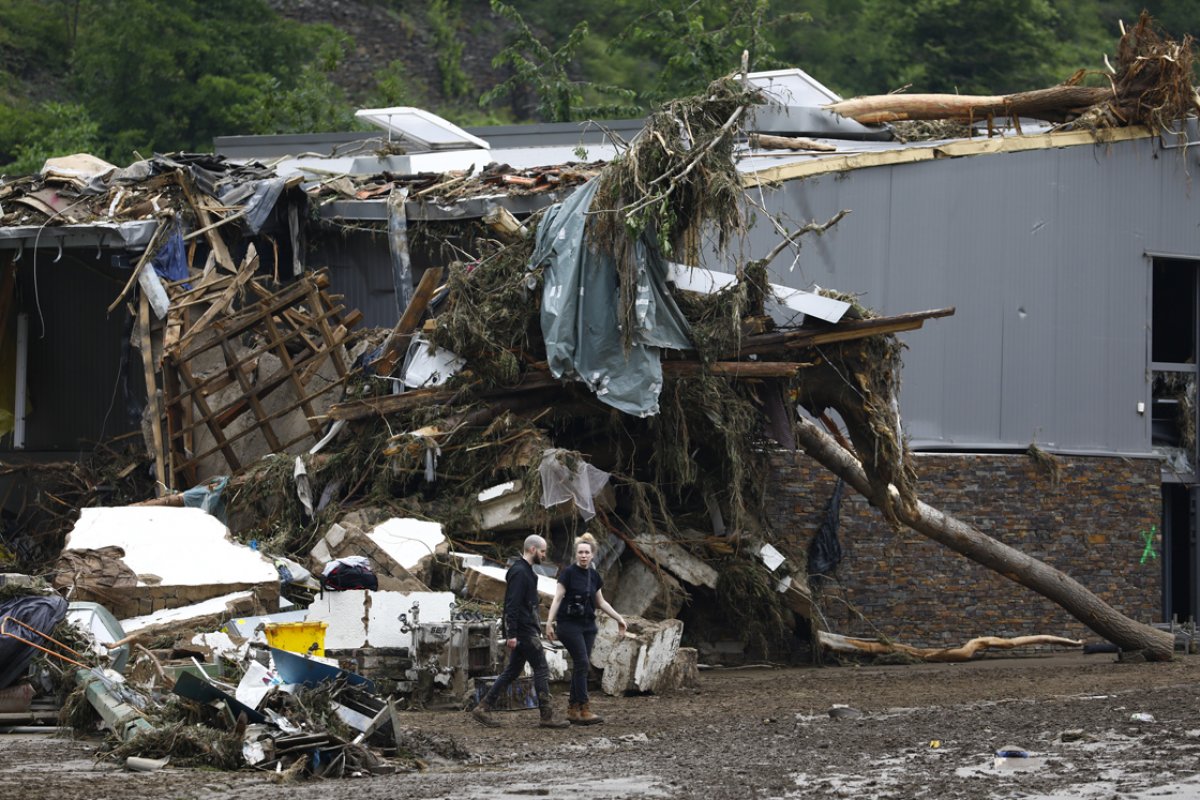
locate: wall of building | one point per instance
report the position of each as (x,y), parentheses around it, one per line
(1044,255)
(1090,525)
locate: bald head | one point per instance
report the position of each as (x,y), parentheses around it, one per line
(535,549)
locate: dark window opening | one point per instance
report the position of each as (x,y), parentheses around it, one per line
(1178,553)
(1173,315)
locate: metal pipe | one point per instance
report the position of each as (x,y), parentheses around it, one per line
(22,379)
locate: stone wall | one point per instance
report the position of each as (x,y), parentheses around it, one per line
(1089,524)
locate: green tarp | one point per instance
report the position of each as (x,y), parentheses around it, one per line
(580,318)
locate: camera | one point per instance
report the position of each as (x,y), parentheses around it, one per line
(576,609)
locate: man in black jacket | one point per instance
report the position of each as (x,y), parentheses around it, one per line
(523,633)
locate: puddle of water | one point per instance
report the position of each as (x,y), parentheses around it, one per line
(595,789)
(1183,789)
(1002,766)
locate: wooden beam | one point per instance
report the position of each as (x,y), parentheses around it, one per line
(396,344)
(843,331)
(211,423)
(219,249)
(248,392)
(393,403)
(221,302)
(735,369)
(282,352)
(160,466)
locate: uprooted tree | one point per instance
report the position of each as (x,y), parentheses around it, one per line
(1151,85)
(1047,581)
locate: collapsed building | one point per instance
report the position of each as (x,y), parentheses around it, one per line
(211,306)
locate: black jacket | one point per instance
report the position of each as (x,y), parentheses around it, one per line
(521,602)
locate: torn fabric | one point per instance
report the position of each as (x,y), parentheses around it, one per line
(562,481)
(580,311)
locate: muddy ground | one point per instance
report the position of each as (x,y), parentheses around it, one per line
(925,731)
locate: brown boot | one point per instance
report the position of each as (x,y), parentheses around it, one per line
(549,718)
(481,714)
(573,713)
(586,717)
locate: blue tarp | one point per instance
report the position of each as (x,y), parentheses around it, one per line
(580,311)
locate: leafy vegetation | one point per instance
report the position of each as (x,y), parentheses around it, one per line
(120,77)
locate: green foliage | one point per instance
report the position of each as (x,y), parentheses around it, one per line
(53,129)
(166,76)
(449,47)
(698,41)
(395,86)
(534,66)
(972,46)
(114,76)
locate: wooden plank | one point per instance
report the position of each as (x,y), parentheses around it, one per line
(160,461)
(208,421)
(202,208)
(175,423)
(247,320)
(259,413)
(322,324)
(282,352)
(735,369)
(397,342)
(843,331)
(277,415)
(224,299)
(146,255)
(393,403)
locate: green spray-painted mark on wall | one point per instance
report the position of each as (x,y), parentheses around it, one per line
(1148,538)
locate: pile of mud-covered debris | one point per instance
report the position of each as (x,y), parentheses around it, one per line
(569,373)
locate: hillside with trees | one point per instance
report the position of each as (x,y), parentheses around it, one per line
(119,78)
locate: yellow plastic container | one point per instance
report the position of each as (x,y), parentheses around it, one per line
(297,637)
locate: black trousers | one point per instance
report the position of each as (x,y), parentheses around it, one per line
(528,651)
(578,638)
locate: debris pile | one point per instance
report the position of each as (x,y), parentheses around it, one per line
(577,371)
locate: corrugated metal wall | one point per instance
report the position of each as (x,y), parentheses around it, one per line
(1044,255)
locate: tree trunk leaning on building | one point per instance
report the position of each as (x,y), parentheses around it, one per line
(1103,619)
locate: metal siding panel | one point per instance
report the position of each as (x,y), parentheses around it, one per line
(1022,239)
(1095,245)
(1058,233)
(360,270)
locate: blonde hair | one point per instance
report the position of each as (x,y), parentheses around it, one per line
(589,540)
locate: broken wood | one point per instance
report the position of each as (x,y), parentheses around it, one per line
(396,344)
(1072,596)
(966,652)
(393,403)
(842,332)
(763,141)
(501,220)
(222,302)
(201,207)
(160,468)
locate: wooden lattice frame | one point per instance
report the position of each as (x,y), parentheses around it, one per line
(301,325)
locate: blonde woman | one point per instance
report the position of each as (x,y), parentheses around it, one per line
(572,620)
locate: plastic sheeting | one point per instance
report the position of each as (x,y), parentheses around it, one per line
(580,318)
(208,497)
(39,613)
(562,482)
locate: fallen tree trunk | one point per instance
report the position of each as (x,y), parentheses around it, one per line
(847,644)
(1047,581)
(1056,104)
